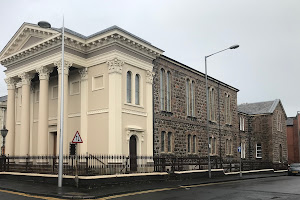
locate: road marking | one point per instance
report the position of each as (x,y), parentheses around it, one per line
(29,195)
(164,189)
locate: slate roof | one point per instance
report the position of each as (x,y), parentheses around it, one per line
(266,107)
(290,121)
(100,32)
(3,98)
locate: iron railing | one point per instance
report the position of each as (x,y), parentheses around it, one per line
(89,165)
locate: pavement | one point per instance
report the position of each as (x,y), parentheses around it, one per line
(98,191)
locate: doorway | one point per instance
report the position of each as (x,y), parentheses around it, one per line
(133,154)
(54,143)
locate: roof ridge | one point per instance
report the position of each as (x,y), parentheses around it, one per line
(275,103)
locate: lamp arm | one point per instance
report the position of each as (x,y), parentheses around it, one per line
(217,52)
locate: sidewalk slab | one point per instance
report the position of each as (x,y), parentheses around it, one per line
(97,190)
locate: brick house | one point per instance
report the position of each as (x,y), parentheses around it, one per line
(292,127)
(180,112)
(265,131)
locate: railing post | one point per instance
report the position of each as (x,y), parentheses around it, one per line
(27,163)
(86,164)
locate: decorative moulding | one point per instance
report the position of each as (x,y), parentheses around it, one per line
(133,112)
(100,111)
(74,115)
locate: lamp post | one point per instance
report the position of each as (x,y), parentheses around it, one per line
(207,107)
(4,132)
(44,24)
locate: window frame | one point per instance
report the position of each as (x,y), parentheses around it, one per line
(168,91)
(129,87)
(256,150)
(137,89)
(162,90)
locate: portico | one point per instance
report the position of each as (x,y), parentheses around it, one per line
(95,91)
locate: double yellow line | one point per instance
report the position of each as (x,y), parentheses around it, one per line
(122,195)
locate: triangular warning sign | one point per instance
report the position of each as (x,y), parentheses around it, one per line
(77,138)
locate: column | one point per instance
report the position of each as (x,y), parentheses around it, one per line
(10,117)
(67,65)
(115,107)
(149,108)
(44,74)
(25,113)
(83,116)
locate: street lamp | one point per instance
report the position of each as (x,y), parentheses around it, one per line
(207,106)
(44,24)
(4,132)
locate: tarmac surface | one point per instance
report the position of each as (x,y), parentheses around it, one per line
(40,190)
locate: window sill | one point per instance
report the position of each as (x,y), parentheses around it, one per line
(133,105)
(193,118)
(258,157)
(166,112)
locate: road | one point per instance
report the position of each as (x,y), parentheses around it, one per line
(282,187)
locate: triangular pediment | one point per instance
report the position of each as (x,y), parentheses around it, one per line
(28,35)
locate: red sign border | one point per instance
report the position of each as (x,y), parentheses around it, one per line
(74,138)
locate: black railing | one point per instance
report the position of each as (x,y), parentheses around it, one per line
(89,165)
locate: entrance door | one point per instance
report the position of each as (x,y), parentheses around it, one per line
(133,154)
(54,143)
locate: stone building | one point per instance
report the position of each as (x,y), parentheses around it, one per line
(107,91)
(180,112)
(292,127)
(265,131)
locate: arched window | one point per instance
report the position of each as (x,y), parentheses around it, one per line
(212,111)
(227,109)
(189,143)
(162,89)
(188,97)
(168,91)
(280,153)
(137,89)
(193,97)
(162,142)
(169,142)
(129,87)
(194,143)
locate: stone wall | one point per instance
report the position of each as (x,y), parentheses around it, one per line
(180,125)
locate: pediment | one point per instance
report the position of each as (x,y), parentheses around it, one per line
(28,35)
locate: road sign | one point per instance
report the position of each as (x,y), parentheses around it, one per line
(239,149)
(77,138)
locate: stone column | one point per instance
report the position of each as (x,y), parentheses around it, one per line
(25,113)
(149,109)
(67,65)
(44,73)
(10,120)
(115,107)
(83,116)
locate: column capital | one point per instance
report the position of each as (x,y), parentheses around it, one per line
(115,66)
(67,65)
(26,78)
(83,73)
(149,77)
(11,83)
(44,72)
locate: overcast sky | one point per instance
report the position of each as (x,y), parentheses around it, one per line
(265,67)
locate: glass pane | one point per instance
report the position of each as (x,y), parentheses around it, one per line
(137,89)
(128,87)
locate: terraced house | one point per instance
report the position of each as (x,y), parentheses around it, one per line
(264,128)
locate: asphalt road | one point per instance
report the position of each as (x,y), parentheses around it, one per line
(282,187)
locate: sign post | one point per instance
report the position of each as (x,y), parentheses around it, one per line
(77,139)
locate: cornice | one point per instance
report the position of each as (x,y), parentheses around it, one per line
(83,46)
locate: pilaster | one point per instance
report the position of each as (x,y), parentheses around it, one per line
(83,117)
(67,65)
(115,106)
(149,108)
